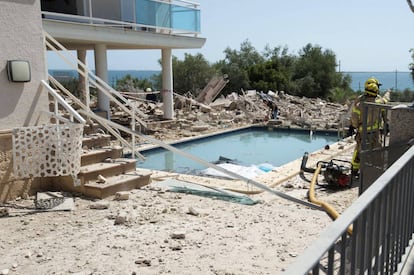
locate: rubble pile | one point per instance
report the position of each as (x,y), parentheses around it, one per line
(193,118)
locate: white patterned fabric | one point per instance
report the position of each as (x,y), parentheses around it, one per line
(47,150)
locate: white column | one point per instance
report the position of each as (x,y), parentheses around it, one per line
(167,83)
(101,67)
(83,85)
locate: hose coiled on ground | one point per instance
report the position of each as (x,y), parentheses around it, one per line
(327,207)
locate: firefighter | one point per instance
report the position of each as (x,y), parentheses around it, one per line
(150,96)
(371,89)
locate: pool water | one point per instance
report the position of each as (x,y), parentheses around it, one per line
(247,147)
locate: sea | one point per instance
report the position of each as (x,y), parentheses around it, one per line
(397,81)
(390,80)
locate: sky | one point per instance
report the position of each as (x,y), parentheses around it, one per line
(365,35)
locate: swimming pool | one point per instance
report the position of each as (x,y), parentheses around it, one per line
(252,146)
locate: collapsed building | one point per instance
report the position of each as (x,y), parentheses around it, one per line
(195,115)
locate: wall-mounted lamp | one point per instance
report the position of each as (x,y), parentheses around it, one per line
(18,70)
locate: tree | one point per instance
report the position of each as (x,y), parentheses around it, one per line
(132,84)
(192,74)
(410,4)
(405,96)
(236,65)
(315,72)
(412,63)
(275,73)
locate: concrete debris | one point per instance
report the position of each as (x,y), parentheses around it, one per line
(99,205)
(4,212)
(100,179)
(178,235)
(237,110)
(212,89)
(121,196)
(53,201)
(143,262)
(122,218)
(193,211)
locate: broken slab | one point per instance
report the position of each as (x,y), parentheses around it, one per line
(53,201)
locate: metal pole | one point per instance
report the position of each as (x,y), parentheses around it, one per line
(396,85)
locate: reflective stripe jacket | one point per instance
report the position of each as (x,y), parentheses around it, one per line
(356,116)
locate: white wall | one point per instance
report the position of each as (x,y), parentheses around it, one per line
(21,38)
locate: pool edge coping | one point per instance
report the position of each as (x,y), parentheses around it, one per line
(285,172)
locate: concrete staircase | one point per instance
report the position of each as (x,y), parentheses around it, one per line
(103,169)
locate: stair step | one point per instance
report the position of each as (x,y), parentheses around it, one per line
(106,169)
(91,128)
(101,154)
(124,182)
(96,141)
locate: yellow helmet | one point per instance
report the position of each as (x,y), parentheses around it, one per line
(372,86)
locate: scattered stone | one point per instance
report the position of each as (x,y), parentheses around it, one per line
(100,179)
(154,188)
(199,128)
(28,254)
(4,212)
(4,271)
(122,218)
(288,185)
(176,247)
(122,196)
(193,212)
(99,205)
(178,235)
(143,262)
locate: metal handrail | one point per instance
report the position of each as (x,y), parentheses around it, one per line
(114,95)
(371,209)
(58,99)
(95,80)
(102,122)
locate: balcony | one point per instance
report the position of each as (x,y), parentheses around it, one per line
(171,17)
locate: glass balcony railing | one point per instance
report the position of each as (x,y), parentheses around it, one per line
(167,16)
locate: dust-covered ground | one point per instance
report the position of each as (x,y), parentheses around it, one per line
(156,231)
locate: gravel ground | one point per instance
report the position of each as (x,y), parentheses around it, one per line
(155,231)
